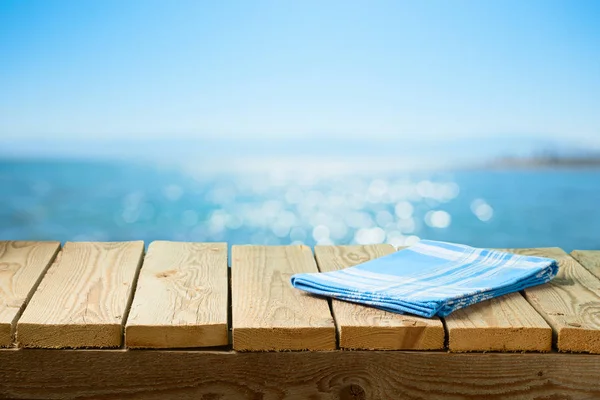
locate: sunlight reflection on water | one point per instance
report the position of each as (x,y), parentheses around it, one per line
(308,208)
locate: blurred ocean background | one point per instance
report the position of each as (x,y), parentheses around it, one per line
(270,122)
(302,199)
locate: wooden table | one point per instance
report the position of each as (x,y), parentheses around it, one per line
(105,320)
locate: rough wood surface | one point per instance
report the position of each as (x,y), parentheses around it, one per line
(362,327)
(590,259)
(570,303)
(398,375)
(22,266)
(267,312)
(506,323)
(83,299)
(181,297)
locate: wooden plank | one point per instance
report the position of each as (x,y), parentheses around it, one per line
(362,327)
(506,323)
(590,259)
(83,299)
(268,313)
(181,297)
(570,303)
(22,266)
(160,374)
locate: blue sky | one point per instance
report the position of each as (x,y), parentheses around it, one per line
(387,70)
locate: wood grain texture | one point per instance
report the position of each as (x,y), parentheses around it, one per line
(83,299)
(506,323)
(267,312)
(590,259)
(181,297)
(22,266)
(362,327)
(398,375)
(570,303)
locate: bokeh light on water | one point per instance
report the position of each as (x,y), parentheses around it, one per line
(86,201)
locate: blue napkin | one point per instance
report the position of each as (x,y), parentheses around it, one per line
(431,278)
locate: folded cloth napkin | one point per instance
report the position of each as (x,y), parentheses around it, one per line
(431,278)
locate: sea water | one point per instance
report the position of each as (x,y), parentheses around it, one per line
(114,201)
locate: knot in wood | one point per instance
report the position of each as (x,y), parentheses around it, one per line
(354,257)
(353,392)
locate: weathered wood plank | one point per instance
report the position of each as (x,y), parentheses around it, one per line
(506,323)
(160,374)
(570,303)
(22,266)
(362,327)
(267,312)
(590,259)
(83,299)
(181,297)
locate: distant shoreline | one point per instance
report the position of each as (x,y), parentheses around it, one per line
(545,162)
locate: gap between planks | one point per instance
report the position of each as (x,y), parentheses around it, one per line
(570,303)
(83,298)
(505,323)
(363,327)
(22,267)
